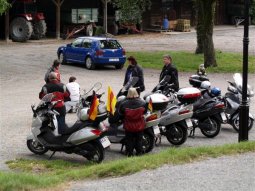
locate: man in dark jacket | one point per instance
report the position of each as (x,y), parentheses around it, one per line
(131,111)
(54,68)
(134,70)
(170,69)
(61,94)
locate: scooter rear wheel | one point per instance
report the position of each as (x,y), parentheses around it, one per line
(36,147)
(148,142)
(95,152)
(176,134)
(215,128)
(235,123)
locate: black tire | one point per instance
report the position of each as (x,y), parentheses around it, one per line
(148,142)
(119,66)
(216,127)
(61,58)
(89,30)
(95,152)
(176,134)
(20,29)
(235,123)
(36,147)
(39,29)
(89,64)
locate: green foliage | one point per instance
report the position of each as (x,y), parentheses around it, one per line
(189,62)
(131,10)
(99,31)
(55,172)
(3,6)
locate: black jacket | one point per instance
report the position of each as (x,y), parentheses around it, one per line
(135,71)
(170,70)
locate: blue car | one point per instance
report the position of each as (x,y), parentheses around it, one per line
(93,51)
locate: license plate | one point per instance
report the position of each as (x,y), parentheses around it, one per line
(156,130)
(114,60)
(189,123)
(105,142)
(223,116)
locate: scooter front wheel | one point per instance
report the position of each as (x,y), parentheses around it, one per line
(176,134)
(36,147)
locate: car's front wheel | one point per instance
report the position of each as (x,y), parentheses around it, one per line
(89,64)
(61,58)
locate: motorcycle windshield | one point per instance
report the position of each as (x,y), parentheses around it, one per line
(46,99)
(131,82)
(165,80)
(238,79)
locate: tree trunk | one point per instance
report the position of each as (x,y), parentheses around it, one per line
(209,52)
(199,27)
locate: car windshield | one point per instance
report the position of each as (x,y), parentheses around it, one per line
(109,44)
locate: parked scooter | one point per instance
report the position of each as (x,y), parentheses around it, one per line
(175,121)
(81,138)
(176,118)
(116,132)
(232,100)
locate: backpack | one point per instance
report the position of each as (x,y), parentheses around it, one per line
(46,77)
(134,120)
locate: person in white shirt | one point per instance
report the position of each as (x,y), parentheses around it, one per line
(74,89)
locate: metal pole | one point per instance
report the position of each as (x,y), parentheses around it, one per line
(106,1)
(7,26)
(244,106)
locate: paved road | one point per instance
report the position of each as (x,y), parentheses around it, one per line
(21,76)
(225,173)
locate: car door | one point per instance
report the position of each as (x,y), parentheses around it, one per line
(73,50)
(84,50)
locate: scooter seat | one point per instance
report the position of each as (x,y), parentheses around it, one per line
(69,129)
(201,102)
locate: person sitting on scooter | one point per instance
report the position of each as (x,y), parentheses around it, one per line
(74,89)
(61,94)
(134,70)
(171,70)
(131,111)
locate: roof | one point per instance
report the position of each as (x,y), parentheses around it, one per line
(96,38)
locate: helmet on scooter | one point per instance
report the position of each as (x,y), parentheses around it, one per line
(215,91)
(83,114)
(205,85)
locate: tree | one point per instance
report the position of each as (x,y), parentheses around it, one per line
(131,10)
(3,6)
(205,21)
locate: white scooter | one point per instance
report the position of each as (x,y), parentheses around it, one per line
(81,138)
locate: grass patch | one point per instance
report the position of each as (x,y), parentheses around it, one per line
(54,172)
(189,62)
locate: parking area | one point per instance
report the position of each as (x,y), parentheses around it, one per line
(22,72)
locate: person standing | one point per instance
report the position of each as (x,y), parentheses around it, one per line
(134,70)
(171,70)
(54,68)
(61,94)
(131,111)
(74,89)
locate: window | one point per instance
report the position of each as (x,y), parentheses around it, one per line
(87,43)
(109,44)
(77,42)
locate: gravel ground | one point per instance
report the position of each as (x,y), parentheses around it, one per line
(210,175)
(23,66)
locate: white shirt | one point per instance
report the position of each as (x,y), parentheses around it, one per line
(74,89)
